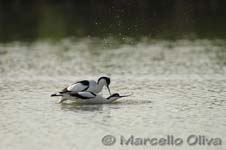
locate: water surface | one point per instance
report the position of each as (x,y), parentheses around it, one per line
(179,88)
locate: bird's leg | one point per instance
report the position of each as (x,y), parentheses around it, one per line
(62,100)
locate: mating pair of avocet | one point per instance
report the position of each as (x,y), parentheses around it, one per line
(86,91)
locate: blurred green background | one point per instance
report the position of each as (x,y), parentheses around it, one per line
(26,20)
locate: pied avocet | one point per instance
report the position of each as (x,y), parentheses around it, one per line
(88,97)
(88,85)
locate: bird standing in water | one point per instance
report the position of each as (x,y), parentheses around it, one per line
(85,85)
(89,97)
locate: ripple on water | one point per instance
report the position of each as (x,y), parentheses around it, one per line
(178,88)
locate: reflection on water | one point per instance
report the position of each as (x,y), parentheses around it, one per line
(179,88)
(77,107)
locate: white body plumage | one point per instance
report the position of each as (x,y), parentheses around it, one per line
(89,97)
(87,85)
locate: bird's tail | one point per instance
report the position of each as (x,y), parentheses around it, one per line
(56,94)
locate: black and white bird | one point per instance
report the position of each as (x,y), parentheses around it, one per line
(89,97)
(87,85)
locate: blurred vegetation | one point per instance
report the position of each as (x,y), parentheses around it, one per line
(54,19)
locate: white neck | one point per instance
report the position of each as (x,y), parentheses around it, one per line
(100,85)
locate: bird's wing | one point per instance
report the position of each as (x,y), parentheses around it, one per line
(83,95)
(77,87)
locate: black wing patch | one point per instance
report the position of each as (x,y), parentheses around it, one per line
(84,82)
(80,96)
